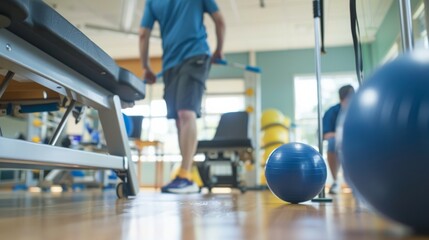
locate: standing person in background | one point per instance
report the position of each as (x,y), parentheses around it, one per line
(329,126)
(186,65)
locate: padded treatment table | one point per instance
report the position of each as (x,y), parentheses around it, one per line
(230,143)
(38,44)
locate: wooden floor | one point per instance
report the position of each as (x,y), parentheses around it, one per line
(254,215)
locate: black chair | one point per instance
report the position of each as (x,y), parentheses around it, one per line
(223,152)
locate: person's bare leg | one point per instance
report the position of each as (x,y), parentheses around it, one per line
(333,165)
(187,134)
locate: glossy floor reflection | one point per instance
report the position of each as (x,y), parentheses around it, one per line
(152,215)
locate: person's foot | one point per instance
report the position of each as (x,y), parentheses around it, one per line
(180,185)
(334,188)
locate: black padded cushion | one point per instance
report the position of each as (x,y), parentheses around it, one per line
(232,125)
(53,34)
(232,132)
(15,10)
(130,85)
(225,143)
(62,40)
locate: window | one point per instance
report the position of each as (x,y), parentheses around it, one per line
(221,96)
(306,102)
(419,25)
(420,34)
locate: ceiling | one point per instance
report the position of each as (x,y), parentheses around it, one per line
(281,24)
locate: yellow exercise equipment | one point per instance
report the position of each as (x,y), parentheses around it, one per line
(268,150)
(263,180)
(275,134)
(37,122)
(271,116)
(287,122)
(250,109)
(36,139)
(250,92)
(249,166)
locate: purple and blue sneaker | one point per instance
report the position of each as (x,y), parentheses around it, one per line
(180,185)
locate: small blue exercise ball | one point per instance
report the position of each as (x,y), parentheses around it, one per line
(295,172)
(385,143)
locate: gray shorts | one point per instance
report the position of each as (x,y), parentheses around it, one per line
(184,85)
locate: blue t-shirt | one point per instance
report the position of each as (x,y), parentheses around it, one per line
(330,118)
(182,28)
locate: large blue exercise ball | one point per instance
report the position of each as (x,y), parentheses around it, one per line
(295,172)
(385,144)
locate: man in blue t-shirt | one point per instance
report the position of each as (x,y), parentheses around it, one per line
(329,126)
(186,64)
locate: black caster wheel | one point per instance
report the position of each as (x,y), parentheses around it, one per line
(121,190)
(242,187)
